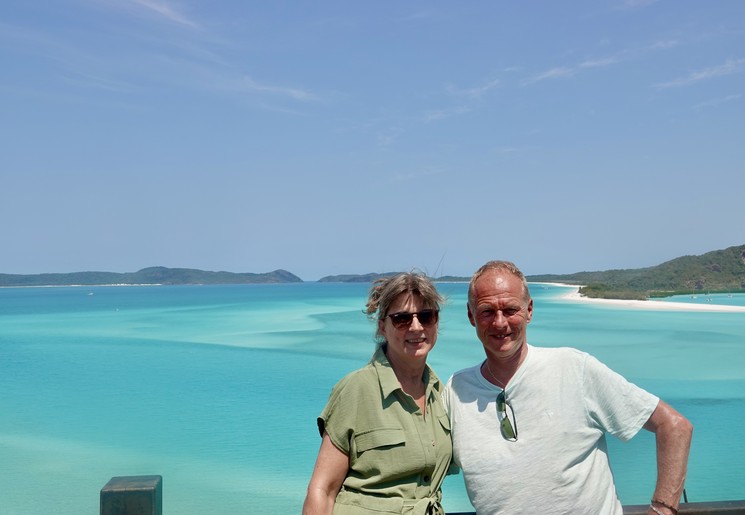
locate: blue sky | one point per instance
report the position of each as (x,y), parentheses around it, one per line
(351,137)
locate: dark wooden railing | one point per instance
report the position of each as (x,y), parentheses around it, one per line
(143,495)
(689,508)
(695,508)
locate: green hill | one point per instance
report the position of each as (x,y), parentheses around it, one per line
(719,271)
(152,275)
(354,278)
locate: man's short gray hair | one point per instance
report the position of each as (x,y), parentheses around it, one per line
(498,266)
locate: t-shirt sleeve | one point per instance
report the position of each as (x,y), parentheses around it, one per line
(445,397)
(612,402)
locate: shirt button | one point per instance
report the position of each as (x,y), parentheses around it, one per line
(433,443)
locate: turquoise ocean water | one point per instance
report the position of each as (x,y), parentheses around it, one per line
(216,388)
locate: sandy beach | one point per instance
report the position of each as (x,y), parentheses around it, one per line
(574,296)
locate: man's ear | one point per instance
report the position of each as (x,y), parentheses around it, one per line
(470,315)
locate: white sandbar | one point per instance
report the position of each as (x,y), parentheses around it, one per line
(574,296)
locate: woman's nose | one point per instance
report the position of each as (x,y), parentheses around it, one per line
(415,325)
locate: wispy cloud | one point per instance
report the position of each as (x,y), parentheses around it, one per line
(598,63)
(569,71)
(249,84)
(669,43)
(188,62)
(728,68)
(60,58)
(467,98)
(474,92)
(439,114)
(409,176)
(560,72)
(168,11)
(714,102)
(86,80)
(68,62)
(388,138)
(638,4)
(508,150)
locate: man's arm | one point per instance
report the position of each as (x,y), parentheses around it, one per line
(673,436)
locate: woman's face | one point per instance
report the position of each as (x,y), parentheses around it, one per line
(412,342)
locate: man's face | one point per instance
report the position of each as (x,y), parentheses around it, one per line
(500,313)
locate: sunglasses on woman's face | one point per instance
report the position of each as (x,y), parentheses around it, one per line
(426,317)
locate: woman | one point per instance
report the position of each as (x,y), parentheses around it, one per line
(386,438)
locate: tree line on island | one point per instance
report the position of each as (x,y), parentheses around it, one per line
(148,276)
(719,271)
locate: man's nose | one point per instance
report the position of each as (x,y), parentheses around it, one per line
(499,319)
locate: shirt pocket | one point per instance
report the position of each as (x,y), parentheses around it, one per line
(378,438)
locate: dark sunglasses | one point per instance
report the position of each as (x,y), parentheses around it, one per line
(426,317)
(509,428)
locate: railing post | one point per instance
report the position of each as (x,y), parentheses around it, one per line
(133,495)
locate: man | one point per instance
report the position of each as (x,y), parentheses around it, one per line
(529,423)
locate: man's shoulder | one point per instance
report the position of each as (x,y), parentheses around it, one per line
(463,372)
(462,377)
(552,353)
(555,360)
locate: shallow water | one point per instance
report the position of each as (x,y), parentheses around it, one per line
(216,388)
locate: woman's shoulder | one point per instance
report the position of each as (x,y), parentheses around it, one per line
(361,378)
(355,389)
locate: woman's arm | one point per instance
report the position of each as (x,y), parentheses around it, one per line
(329,473)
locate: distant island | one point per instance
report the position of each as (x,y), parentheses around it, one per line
(719,271)
(148,276)
(355,278)
(368,278)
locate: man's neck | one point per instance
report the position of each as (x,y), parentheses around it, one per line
(500,371)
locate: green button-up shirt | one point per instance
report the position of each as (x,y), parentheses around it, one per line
(398,457)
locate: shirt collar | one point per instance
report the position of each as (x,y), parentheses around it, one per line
(388,380)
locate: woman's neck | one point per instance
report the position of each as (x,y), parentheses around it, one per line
(410,376)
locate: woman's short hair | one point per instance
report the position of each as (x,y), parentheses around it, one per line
(385,290)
